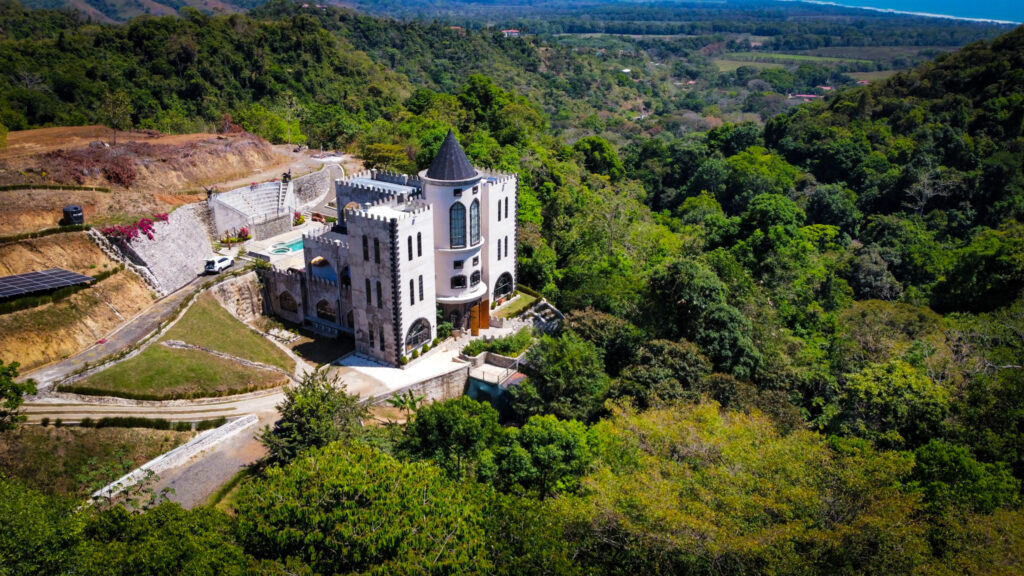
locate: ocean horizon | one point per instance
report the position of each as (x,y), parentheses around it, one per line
(1002,11)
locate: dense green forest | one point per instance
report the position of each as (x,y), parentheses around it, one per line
(793,348)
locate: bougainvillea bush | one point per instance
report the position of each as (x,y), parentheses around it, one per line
(132,231)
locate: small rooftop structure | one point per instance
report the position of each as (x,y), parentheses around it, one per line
(451,163)
(510,33)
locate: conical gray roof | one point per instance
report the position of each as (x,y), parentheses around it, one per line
(451,162)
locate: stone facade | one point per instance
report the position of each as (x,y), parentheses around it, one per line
(403,246)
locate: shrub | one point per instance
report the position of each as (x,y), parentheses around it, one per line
(444,330)
(512,345)
(426,348)
(415,354)
(58,423)
(86,422)
(211,424)
(403,360)
(435,342)
(45,421)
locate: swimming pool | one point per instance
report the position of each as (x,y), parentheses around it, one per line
(287,247)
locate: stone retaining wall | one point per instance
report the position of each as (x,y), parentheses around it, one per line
(179,248)
(312,186)
(241,296)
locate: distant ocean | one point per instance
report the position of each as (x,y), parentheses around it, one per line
(1001,10)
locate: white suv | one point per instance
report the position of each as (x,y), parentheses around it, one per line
(216,265)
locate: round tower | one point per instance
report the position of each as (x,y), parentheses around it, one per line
(452,186)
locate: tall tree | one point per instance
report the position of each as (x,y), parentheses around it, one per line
(116,111)
(12,393)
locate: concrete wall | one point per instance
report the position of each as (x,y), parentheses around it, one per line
(179,248)
(411,270)
(438,389)
(500,230)
(271,226)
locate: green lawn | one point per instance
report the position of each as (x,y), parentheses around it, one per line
(515,308)
(209,325)
(73,461)
(731,65)
(781,57)
(161,373)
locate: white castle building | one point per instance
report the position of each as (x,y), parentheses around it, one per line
(403,246)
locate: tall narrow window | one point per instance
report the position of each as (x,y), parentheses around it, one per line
(474,223)
(380,300)
(412,291)
(506,246)
(421,287)
(371,336)
(366,248)
(382,337)
(376,251)
(457,218)
(506,207)
(369,295)
(499,248)
(410,247)
(499,209)
(419,244)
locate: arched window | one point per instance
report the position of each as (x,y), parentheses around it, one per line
(325,310)
(474,223)
(287,302)
(458,281)
(410,247)
(504,286)
(419,333)
(419,244)
(457,219)
(474,278)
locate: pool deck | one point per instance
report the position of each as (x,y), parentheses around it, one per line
(291,259)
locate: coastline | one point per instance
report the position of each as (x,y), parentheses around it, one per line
(907,12)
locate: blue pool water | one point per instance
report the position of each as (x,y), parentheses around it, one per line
(283,248)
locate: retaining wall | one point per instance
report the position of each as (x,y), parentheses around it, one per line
(437,389)
(177,456)
(179,248)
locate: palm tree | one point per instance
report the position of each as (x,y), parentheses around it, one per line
(408,402)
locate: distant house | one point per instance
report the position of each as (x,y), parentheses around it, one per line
(510,33)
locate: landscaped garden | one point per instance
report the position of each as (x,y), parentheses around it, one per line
(516,306)
(511,345)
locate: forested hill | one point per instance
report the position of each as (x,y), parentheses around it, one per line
(944,143)
(788,350)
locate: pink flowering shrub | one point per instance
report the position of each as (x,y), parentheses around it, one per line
(124,234)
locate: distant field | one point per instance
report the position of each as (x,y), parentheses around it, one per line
(874,53)
(209,325)
(784,58)
(872,76)
(725,65)
(72,461)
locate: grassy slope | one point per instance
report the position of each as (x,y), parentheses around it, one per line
(74,461)
(163,373)
(209,325)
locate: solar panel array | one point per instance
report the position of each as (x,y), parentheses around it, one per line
(42,281)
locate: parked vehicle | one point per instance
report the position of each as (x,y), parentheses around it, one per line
(217,265)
